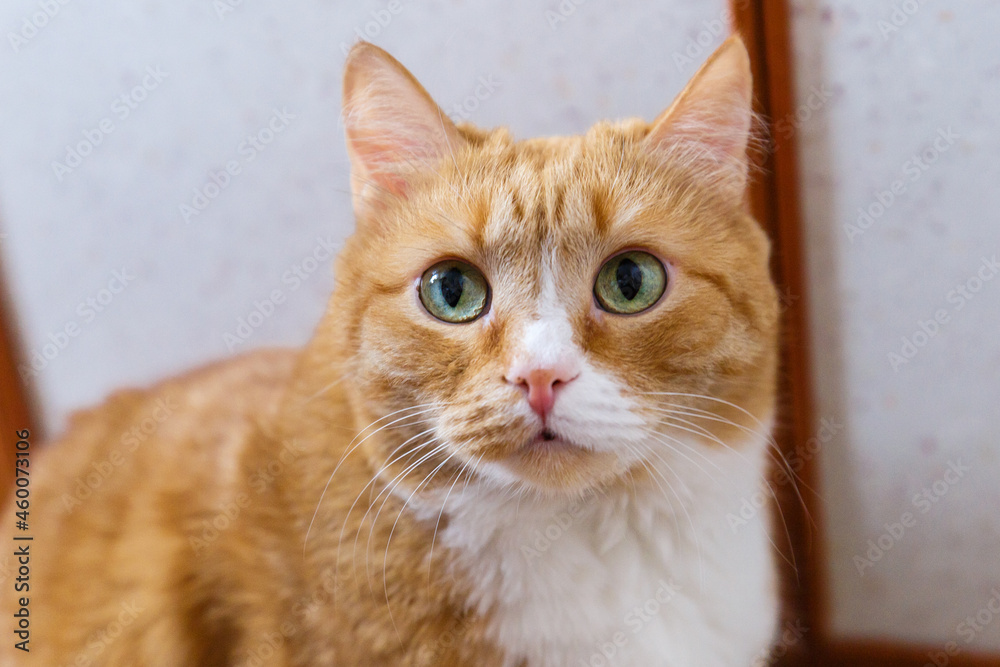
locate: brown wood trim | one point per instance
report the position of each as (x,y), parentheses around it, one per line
(884,654)
(15,412)
(774,201)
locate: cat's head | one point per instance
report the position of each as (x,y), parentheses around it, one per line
(555,312)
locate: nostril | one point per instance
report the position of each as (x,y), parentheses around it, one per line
(558,382)
(538,378)
(541,384)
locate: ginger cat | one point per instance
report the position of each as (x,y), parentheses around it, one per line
(545,377)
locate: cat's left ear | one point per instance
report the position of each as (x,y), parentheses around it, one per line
(707,127)
(394,129)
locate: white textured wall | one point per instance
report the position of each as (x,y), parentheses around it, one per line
(889,81)
(541,67)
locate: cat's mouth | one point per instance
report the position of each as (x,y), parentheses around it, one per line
(547,448)
(549,460)
(547,440)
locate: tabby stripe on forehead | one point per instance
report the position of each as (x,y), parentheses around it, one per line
(539,223)
(518,205)
(480,218)
(557,205)
(599,210)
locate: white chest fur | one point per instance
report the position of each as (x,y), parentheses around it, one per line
(648,577)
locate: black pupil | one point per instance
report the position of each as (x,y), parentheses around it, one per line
(451,286)
(629,277)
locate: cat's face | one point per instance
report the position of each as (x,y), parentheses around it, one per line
(554,313)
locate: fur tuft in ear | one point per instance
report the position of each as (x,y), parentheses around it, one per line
(393,127)
(707,127)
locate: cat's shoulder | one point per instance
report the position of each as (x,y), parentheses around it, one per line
(119,503)
(200,419)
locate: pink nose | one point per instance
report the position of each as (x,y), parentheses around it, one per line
(541,385)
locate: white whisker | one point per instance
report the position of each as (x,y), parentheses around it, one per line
(348,450)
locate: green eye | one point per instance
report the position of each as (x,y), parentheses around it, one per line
(454,291)
(630,282)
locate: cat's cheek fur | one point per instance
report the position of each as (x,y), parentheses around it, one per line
(594,412)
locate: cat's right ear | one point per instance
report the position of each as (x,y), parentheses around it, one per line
(393,128)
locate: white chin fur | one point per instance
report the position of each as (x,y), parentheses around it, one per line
(642,576)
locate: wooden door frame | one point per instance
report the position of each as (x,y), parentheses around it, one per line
(775,201)
(15,407)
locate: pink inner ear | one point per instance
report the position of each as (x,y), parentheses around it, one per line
(720,129)
(708,126)
(388,156)
(386,151)
(718,119)
(394,128)
(383,156)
